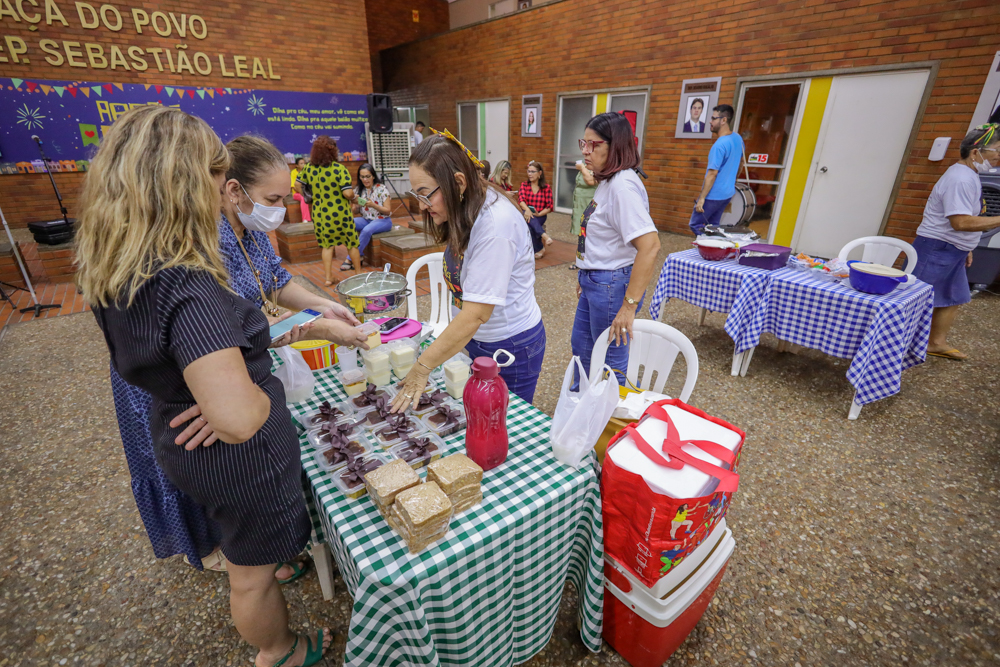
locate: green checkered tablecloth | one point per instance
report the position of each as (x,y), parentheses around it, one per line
(489,592)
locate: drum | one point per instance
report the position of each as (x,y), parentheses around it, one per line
(741,207)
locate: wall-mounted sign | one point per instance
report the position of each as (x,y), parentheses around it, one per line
(187,57)
(757,158)
(531,115)
(72,116)
(698,96)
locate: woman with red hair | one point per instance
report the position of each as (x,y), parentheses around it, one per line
(333,221)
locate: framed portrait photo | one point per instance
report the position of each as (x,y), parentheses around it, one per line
(698,96)
(531,116)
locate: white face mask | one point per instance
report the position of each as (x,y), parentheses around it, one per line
(262,218)
(984,166)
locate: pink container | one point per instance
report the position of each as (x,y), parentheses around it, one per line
(485,398)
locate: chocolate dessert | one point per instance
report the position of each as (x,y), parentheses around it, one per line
(417,449)
(431,399)
(368,397)
(336,432)
(327,413)
(381,411)
(340,453)
(399,427)
(354,474)
(444,416)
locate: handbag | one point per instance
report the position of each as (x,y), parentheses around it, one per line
(307,191)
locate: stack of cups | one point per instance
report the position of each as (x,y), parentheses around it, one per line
(402,356)
(456,374)
(376,364)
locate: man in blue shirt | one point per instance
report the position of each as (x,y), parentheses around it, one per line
(723,167)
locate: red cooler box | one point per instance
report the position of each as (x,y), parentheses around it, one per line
(646,630)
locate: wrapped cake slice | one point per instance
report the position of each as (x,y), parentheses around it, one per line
(451,473)
(386,482)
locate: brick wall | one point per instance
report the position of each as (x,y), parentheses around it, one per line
(390,23)
(312,49)
(592,45)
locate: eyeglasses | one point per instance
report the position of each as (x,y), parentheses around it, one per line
(586,145)
(424,199)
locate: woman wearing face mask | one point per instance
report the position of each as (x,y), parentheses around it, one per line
(617,246)
(535,199)
(953,223)
(488,265)
(174,523)
(300,164)
(150,267)
(373,202)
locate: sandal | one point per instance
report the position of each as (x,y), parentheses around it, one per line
(952,354)
(348,265)
(313,653)
(298,569)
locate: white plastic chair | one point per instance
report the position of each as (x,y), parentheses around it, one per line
(440,296)
(654,347)
(882,250)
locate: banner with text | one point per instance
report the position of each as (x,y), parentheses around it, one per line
(70,117)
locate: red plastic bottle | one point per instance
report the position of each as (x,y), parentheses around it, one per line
(485,398)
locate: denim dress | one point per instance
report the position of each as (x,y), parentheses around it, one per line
(174,523)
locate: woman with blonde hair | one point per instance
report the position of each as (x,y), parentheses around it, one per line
(151,268)
(501,176)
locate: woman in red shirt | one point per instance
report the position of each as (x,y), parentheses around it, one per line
(535,199)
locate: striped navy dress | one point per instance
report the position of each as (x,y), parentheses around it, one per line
(174,523)
(251,490)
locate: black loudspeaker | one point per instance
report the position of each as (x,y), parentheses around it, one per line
(379,113)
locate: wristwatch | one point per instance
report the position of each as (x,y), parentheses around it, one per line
(630,301)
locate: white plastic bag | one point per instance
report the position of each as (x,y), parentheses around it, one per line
(581,415)
(295,374)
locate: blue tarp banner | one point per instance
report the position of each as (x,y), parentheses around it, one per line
(71,116)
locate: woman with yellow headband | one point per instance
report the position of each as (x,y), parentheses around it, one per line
(954,221)
(489,266)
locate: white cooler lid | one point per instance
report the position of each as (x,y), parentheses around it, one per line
(687,482)
(677,576)
(661,613)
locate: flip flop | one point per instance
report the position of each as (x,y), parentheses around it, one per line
(948,354)
(314,653)
(298,569)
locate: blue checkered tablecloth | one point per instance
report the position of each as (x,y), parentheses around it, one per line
(488,593)
(884,335)
(721,286)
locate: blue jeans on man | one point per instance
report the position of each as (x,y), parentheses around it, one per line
(602,294)
(712,215)
(367,228)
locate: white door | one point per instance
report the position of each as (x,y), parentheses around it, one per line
(497,131)
(866,125)
(574,112)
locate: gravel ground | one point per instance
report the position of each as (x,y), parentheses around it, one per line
(858,543)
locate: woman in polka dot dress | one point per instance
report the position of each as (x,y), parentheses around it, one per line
(333,221)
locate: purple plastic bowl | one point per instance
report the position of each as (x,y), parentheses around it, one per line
(775,256)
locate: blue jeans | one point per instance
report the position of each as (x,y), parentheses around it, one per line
(602,294)
(537,227)
(528,348)
(711,216)
(367,228)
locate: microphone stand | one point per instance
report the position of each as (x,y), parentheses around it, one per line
(48,170)
(38,307)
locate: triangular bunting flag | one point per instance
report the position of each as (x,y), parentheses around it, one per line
(59,90)
(107,87)
(85,91)
(119,87)
(191,94)
(96,90)
(72,90)
(147,85)
(211,93)
(219,91)
(159,89)
(170,91)
(31,86)
(46,89)
(201,94)
(228,90)
(17,82)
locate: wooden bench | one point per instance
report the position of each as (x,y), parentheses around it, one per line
(297,243)
(402,251)
(373,253)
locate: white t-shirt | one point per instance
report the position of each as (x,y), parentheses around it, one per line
(958,192)
(499,269)
(417,137)
(618,214)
